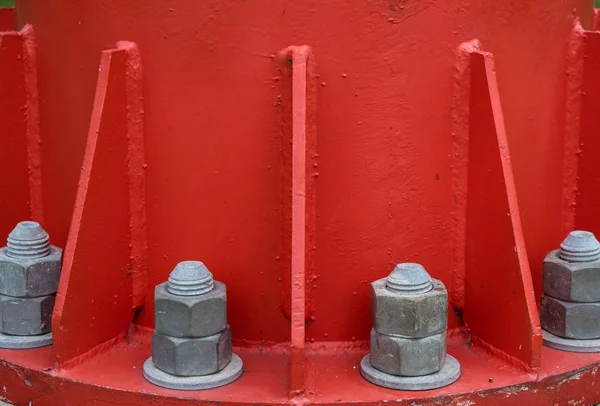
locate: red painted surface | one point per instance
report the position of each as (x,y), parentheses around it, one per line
(136,168)
(115,377)
(298,75)
(499,297)
(20,185)
(573,122)
(14,194)
(94,303)
(7,19)
(586,151)
(299,60)
(395,181)
(384,116)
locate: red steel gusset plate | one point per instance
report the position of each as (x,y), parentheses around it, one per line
(496,265)
(582,144)
(95,299)
(20,184)
(298,94)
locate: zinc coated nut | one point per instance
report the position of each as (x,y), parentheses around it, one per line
(29,265)
(570,319)
(408,356)
(191,303)
(572,273)
(26,316)
(192,356)
(409,303)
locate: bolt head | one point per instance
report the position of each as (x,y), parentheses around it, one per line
(30,277)
(192,356)
(190,316)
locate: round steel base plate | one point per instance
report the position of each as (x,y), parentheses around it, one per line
(25,342)
(569,344)
(230,373)
(449,373)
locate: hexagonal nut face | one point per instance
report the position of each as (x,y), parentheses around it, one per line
(411,316)
(571,281)
(191,356)
(408,356)
(570,320)
(30,278)
(26,316)
(190,316)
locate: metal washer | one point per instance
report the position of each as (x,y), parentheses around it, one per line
(569,344)
(230,373)
(449,373)
(25,342)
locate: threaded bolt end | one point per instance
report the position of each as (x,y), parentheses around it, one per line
(190,278)
(580,246)
(28,240)
(409,279)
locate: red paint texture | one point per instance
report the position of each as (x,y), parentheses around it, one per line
(14,193)
(572,127)
(7,19)
(32,122)
(207,169)
(20,187)
(588,144)
(136,174)
(460,169)
(115,377)
(298,76)
(385,192)
(94,303)
(499,297)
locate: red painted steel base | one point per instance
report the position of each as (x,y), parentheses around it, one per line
(115,377)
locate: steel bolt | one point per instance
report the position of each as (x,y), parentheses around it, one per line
(410,279)
(28,240)
(190,278)
(409,313)
(29,265)
(409,303)
(190,303)
(191,335)
(580,246)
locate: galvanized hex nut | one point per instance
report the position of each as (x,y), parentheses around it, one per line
(190,316)
(29,265)
(570,320)
(26,316)
(409,315)
(30,277)
(571,281)
(407,356)
(191,356)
